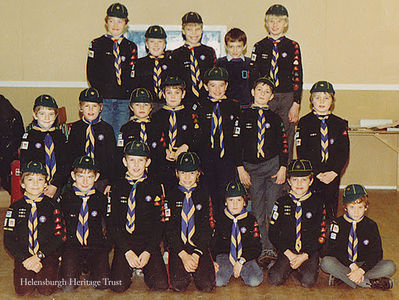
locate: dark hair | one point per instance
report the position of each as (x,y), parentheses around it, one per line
(235,35)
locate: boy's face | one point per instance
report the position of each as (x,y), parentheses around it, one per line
(235,204)
(141,110)
(90,110)
(356,210)
(45,117)
(216,88)
(262,94)
(85,180)
(187,179)
(173,95)
(235,49)
(136,165)
(34,184)
(300,185)
(116,26)
(276,25)
(193,32)
(321,102)
(155,46)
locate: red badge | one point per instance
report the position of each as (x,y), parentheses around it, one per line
(64,238)
(345,133)
(57,220)
(56,211)
(296,52)
(321,240)
(58,226)
(256,234)
(57,233)
(296,87)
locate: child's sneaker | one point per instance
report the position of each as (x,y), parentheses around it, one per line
(334,281)
(382,283)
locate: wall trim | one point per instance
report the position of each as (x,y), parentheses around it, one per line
(375,187)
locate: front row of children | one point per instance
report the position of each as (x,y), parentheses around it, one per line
(82,226)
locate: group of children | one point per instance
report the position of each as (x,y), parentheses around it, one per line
(128,176)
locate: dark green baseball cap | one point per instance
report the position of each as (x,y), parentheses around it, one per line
(46,101)
(322,86)
(277,10)
(85,162)
(90,95)
(34,167)
(265,79)
(188,162)
(235,189)
(173,80)
(299,168)
(155,32)
(191,17)
(353,192)
(216,73)
(141,95)
(117,10)
(137,148)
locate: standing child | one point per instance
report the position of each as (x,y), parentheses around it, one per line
(297,228)
(188,231)
(237,65)
(262,159)
(323,139)
(86,213)
(354,253)
(45,142)
(137,204)
(93,137)
(110,64)
(236,240)
(280,58)
(34,230)
(191,60)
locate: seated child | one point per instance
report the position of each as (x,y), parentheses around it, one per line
(322,138)
(297,228)
(237,65)
(188,231)
(91,136)
(85,211)
(45,142)
(34,230)
(262,159)
(178,126)
(236,240)
(354,252)
(137,227)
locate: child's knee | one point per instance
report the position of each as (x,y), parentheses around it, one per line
(275,278)
(327,264)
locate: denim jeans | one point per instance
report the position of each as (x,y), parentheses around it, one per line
(115,113)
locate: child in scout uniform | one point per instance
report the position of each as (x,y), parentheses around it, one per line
(219,134)
(93,137)
(237,65)
(85,211)
(297,228)
(262,158)
(280,58)
(188,230)
(323,139)
(178,125)
(110,66)
(150,71)
(354,253)
(34,230)
(191,60)
(137,206)
(45,142)
(236,240)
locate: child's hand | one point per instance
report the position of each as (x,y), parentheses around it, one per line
(237,269)
(32,264)
(216,266)
(144,258)
(190,262)
(50,190)
(132,259)
(280,175)
(293,114)
(329,176)
(298,260)
(107,190)
(170,155)
(357,275)
(288,253)
(244,176)
(181,149)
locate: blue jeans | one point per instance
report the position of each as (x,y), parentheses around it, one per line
(115,113)
(251,273)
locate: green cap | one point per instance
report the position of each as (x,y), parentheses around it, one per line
(216,73)
(90,95)
(155,32)
(34,167)
(235,189)
(173,80)
(265,79)
(353,192)
(117,10)
(141,95)
(299,168)
(191,17)
(85,162)
(277,10)
(137,148)
(188,162)
(46,101)
(322,86)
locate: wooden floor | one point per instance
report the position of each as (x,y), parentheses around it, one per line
(384,209)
